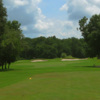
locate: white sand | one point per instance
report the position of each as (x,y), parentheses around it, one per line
(38,60)
(71,59)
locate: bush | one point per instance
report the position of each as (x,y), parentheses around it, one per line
(63,55)
(70,57)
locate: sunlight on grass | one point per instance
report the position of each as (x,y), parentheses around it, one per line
(51,80)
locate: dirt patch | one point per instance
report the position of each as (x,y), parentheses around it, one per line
(38,60)
(71,59)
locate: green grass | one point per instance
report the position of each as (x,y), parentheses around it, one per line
(51,80)
(70,57)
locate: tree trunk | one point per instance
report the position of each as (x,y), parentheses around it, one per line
(98,56)
(8,66)
(5,66)
(2,67)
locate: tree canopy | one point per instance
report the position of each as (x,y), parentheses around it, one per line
(90,29)
(52,47)
(10,38)
(3,18)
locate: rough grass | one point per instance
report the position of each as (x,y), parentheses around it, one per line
(51,80)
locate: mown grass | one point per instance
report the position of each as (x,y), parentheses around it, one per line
(51,80)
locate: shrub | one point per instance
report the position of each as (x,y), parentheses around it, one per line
(63,55)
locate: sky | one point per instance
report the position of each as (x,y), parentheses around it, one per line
(51,17)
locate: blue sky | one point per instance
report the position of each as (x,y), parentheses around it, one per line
(50,8)
(51,17)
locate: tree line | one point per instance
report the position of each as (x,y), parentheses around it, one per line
(52,47)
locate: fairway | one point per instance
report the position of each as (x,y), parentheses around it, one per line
(51,80)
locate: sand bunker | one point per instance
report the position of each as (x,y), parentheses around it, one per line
(71,59)
(38,60)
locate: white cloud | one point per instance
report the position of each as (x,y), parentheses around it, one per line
(24,28)
(20,3)
(93,10)
(61,29)
(42,25)
(15,3)
(77,9)
(64,7)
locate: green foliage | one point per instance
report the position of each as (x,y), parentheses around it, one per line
(14,25)
(10,38)
(63,55)
(70,57)
(3,15)
(3,18)
(10,45)
(52,47)
(91,33)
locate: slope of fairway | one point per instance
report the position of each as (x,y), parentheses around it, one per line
(51,80)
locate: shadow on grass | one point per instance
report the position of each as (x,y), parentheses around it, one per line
(8,70)
(89,66)
(92,66)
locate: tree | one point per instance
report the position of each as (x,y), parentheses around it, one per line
(91,32)
(10,43)
(27,48)
(63,55)
(3,18)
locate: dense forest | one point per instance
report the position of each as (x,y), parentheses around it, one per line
(52,47)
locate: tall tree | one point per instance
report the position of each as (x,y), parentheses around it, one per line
(3,17)
(10,44)
(91,32)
